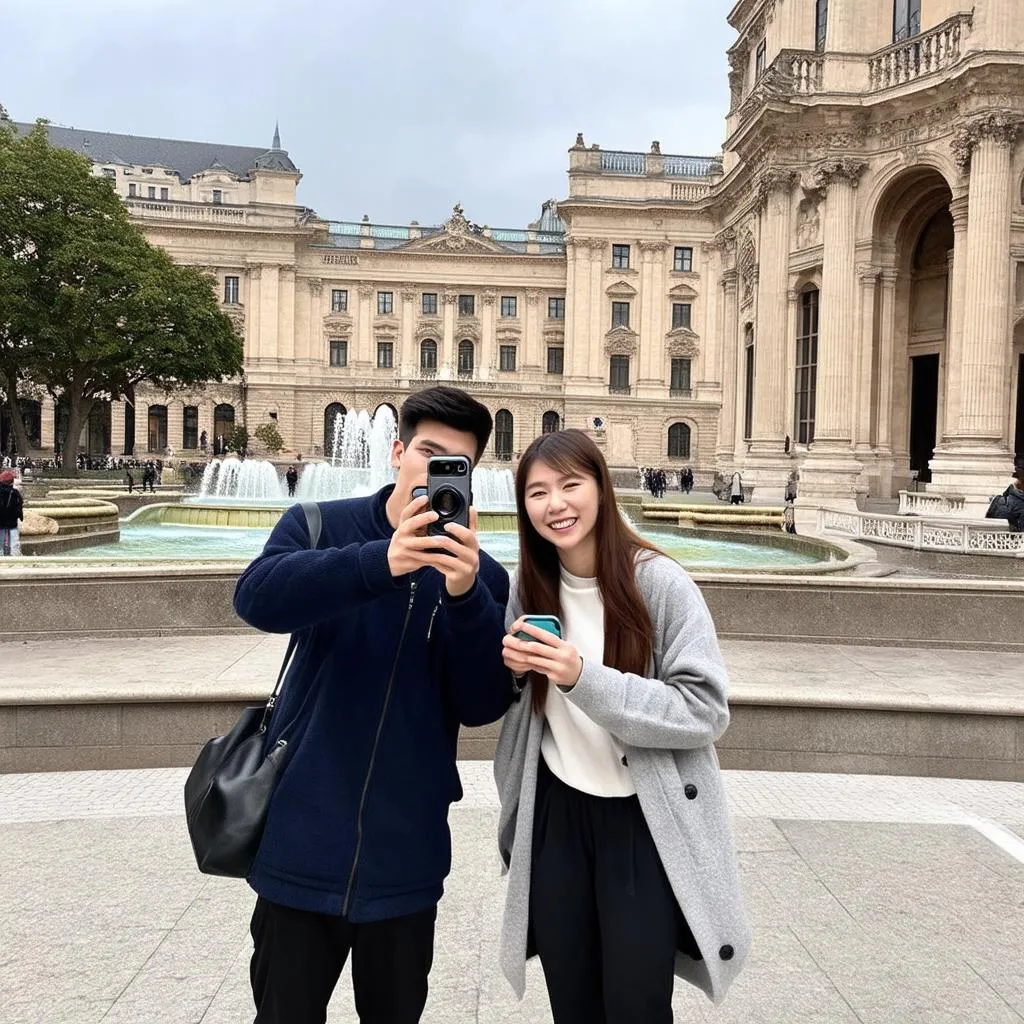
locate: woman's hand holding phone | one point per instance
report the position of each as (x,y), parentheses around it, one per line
(545,653)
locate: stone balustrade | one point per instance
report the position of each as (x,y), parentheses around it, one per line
(922,503)
(969,537)
(208,213)
(921,55)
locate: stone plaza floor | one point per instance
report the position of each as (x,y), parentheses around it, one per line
(873,899)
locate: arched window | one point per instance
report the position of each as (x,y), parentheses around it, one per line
(223,427)
(334,413)
(679,441)
(906,19)
(428,356)
(551,422)
(387,405)
(157,436)
(503,435)
(466,355)
(806,366)
(820,24)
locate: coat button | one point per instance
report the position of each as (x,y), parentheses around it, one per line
(690,790)
(625,761)
(726,952)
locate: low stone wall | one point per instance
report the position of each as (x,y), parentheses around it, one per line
(80,522)
(87,601)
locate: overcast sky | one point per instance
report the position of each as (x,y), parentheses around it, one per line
(392,108)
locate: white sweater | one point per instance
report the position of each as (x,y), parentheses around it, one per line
(578,751)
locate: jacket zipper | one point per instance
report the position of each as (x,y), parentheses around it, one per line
(373,752)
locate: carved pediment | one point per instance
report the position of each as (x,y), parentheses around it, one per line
(682,343)
(457,236)
(682,293)
(620,341)
(386,330)
(621,290)
(337,322)
(508,335)
(467,327)
(430,328)
(554,335)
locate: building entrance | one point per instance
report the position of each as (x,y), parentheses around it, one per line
(924,408)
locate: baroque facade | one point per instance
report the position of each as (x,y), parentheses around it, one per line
(840,291)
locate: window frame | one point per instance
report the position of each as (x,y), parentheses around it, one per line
(431,365)
(805,382)
(682,433)
(906,23)
(749,370)
(507,358)
(504,437)
(337,346)
(617,312)
(218,197)
(466,368)
(190,431)
(509,307)
(339,300)
(556,303)
(821,25)
(676,385)
(682,259)
(761,58)
(467,305)
(385,303)
(428,308)
(618,363)
(560,349)
(385,355)
(685,313)
(231,289)
(620,256)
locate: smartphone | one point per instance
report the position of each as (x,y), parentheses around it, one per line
(449,488)
(546,622)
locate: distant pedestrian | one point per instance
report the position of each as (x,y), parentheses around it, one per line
(791,487)
(1010,504)
(292,478)
(12,512)
(129,480)
(736,489)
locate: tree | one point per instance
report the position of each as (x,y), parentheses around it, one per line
(238,441)
(89,308)
(270,436)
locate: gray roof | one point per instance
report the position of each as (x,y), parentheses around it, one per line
(187,158)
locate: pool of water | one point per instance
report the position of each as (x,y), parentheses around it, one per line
(206,543)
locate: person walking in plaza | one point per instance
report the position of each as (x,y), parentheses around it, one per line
(399,644)
(291,478)
(129,479)
(613,829)
(736,489)
(12,512)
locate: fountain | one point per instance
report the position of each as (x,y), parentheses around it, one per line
(359,463)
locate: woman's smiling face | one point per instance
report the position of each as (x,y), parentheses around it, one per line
(563,508)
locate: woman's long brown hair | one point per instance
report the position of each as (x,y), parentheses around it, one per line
(628,631)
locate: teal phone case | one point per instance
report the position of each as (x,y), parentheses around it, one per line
(545,622)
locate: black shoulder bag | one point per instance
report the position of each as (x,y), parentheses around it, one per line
(228,791)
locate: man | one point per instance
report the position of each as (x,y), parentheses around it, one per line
(399,643)
(291,478)
(11,513)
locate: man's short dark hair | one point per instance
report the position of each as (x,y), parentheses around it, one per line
(450,406)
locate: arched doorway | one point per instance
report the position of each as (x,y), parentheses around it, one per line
(503,424)
(551,422)
(157,433)
(223,427)
(332,414)
(909,402)
(679,441)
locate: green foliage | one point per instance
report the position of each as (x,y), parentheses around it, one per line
(88,308)
(238,441)
(270,436)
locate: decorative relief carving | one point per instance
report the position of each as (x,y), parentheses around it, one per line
(337,322)
(468,327)
(366,290)
(489,295)
(1002,129)
(316,286)
(508,335)
(841,169)
(771,180)
(255,272)
(808,223)
(651,246)
(747,266)
(554,335)
(451,296)
(409,294)
(429,327)
(682,344)
(532,297)
(620,341)
(868,272)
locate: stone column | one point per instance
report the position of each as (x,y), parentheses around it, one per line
(974,458)
(270,280)
(530,355)
(285,347)
(863,382)
(725,456)
(601,317)
(254,319)
(829,474)
(116,428)
(576,311)
(766,465)
(447,358)
(408,362)
(175,424)
(308,321)
(487,355)
(792,327)
(364,357)
(643,373)
(47,425)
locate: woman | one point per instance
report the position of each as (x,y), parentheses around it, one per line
(613,828)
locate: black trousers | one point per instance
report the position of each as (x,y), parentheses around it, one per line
(298,958)
(603,916)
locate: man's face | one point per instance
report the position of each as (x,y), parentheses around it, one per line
(431,438)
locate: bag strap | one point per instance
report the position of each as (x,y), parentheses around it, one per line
(314,522)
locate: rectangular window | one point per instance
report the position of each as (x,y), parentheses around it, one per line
(680,383)
(760,60)
(820,24)
(681,313)
(508,305)
(620,257)
(682,260)
(218,197)
(507,357)
(618,375)
(556,309)
(165,194)
(231,291)
(339,300)
(620,314)
(906,19)
(385,355)
(109,172)
(429,304)
(339,352)
(132,189)
(555,359)
(467,305)
(806,368)
(190,427)
(748,395)
(151,192)
(385,303)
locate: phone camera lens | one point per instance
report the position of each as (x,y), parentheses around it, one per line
(447,503)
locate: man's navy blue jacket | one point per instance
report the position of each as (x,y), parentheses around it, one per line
(319,852)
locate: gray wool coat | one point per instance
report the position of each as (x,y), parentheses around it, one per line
(668,724)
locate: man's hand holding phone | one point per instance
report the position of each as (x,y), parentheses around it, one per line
(545,653)
(456,554)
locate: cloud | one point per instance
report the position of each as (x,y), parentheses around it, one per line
(389,107)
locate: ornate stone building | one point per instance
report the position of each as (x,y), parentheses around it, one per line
(840,291)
